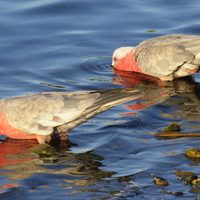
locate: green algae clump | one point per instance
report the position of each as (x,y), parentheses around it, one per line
(192,153)
(172,128)
(43,150)
(160,181)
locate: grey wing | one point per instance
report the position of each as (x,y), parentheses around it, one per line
(164,54)
(40,113)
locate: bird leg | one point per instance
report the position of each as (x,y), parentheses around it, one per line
(59,136)
(63,136)
(42,139)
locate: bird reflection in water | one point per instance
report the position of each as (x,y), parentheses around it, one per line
(156,91)
(177,101)
(77,169)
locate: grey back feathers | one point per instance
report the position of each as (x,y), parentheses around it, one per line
(165,54)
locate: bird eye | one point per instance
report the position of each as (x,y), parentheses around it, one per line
(115,59)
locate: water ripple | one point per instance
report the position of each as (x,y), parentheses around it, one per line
(66,46)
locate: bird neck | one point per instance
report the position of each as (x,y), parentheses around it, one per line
(128,63)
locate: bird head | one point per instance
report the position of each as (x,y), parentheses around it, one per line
(120,53)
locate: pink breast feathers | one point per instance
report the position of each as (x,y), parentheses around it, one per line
(7,130)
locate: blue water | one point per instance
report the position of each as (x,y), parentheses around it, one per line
(66,46)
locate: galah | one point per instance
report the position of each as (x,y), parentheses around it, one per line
(166,57)
(39,116)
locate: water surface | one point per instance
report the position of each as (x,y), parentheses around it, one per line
(67,46)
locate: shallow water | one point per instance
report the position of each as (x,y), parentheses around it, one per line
(67,46)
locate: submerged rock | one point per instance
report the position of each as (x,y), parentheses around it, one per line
(43,150)
(192,153)
(160,181)
(172,128)
(187,177)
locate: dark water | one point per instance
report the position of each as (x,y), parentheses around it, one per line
(67,46)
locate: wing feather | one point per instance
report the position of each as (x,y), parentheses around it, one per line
(44,111)
(163,55)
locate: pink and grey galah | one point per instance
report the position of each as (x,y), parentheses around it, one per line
(39,116)
(166,57)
